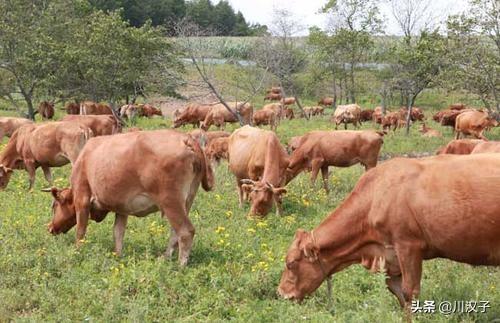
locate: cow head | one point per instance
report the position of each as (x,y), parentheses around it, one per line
(303,273)
(262,196)
(5,173)
(63,210)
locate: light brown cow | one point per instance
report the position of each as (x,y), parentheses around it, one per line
(306,112)
(473,123)
(393,119)
(293,143)
(53,144)
(377,115)
(399,214)
(487,147)
(148,111)
(8,125)
(459,147)
(90,107)
(217,149)
(273,97)
(218,114)
(457,106)
(72,108)
(151,171)
(288,113)
(347,114)
(325,101)
(429,132)
(259,162)
(321,149)
(101,125)
(46,110)
(277,108)
(193,114)
(265,117)
(207,136)
(318,111)
(288,101)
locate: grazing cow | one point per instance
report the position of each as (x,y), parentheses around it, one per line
(72,108)
(101,125)
(487,147)
(321,149)
(288,101)
(306,112)
(416,114)
(193,114)
(148,111)
(429,132)
(219,115)
(90,107)
(293,143)
(393,119)
(151,171)
(273,97)
(277,108)
(318,111)
(347,114)
(217,149)
(46,110)
(8,125)
(399,214)
(366,115)
(177,112)
(259,162)
(208,136)
(377,115)
(46,145)
(288,113)
(129,111)
(325,101)
(459,147)
(473,123)
(265,117)
(457,106)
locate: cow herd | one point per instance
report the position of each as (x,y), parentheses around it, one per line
(400,212)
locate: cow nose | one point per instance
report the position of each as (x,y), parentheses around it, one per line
(282,294)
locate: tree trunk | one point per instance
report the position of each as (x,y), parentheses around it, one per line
(334,103)
(408,116)
(29,102)
(352,94)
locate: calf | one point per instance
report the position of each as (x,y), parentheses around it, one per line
(217,149)
(321,149)
(487,147)
(459,147)
(46,110)
(151,171)
(473,123)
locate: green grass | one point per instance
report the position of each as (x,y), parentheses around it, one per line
(234,267)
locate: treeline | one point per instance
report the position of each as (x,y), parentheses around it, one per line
(221,18)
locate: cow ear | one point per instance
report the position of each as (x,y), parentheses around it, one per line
(306,246)
(54,191)
(247,187)
(6,169)
(279,191)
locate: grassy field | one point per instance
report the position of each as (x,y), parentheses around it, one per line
(234,267)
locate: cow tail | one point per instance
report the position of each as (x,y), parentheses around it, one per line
(207,174)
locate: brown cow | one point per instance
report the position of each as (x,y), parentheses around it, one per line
(208,136)
(217,149)
(151,171)
(288,113)
(487,147)
(273,97)
(318,111)
(293,143)
(265,117)
(459,147)
(90,107)
(366,115)
(321,149)
(399,214)
(377,115)
(218,115)
(46,145)
(148,111)
(288,101)
(429,132)
(259,162)
(277,108)
(306,112)
(72,108)
(8,125)
(325,101)
(101,125)
(473,123)
(346,114)
(193,114)
(46,110)
(416,114)
(275,89)
(457,106)
(393,119)
(129,111)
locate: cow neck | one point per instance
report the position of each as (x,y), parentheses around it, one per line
(273,164)
(345,238)
(9,155)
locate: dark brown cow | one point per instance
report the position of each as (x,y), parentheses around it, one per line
(101,125)
(90,107)
(487,147)
(366,115)
(53,144)
(459,147)
(193,114)
(217,149)
(259,162)
(8,125)
(399,214)
(326,101)
(151,171)
(46,110)
(265,117)
(473,123)
(393,119)
(320,149)
(72,108)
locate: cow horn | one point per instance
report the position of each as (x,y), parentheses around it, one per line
(247,181)
(48,189)
(270,185)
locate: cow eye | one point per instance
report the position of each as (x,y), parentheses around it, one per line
(291,264)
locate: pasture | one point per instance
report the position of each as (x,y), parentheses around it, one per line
(236,261)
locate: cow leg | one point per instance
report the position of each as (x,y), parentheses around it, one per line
(241,193)
(336,126)
(47,174)
(315,165)
(394,286)
(345,125)
(178,219)
(457,134)
(481,136)
(119,232)
(324,174)
(82,220)
(410,262)
(173,244)
(31,169)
